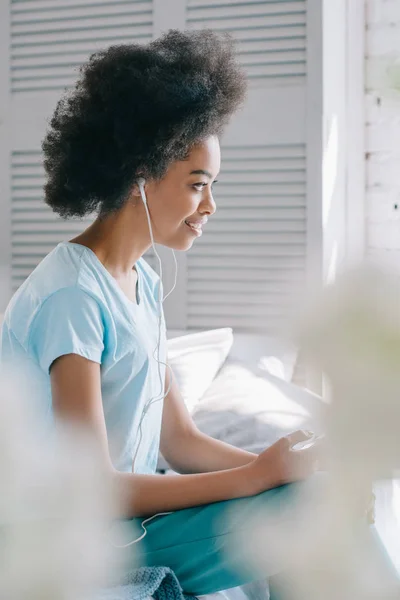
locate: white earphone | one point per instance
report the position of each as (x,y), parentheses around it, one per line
(162,394)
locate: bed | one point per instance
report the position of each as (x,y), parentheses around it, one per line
(239,389)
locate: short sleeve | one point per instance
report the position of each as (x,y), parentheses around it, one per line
(68,322)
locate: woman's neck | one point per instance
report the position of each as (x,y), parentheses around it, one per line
(119,239)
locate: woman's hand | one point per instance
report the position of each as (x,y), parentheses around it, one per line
(280,463)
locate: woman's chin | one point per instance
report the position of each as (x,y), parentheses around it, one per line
(182,243)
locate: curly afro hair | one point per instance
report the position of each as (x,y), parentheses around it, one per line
(134,110)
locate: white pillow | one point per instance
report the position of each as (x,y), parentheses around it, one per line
(195,360)
(273,355)
(251,409)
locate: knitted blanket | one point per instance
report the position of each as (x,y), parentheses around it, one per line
(157,582)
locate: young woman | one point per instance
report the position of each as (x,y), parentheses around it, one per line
(86,322)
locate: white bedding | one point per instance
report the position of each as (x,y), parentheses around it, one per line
(252,409)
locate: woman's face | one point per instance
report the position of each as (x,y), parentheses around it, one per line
(182,201)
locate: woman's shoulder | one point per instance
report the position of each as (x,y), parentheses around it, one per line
(60,277)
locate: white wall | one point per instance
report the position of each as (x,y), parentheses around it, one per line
(383,130)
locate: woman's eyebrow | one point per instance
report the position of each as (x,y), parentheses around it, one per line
(201,172)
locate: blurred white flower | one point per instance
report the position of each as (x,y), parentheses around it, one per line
(352,332)
(316,532)
(56,507)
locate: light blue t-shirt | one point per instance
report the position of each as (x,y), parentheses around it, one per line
(72,304)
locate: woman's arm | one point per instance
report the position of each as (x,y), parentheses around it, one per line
(76,393)
(188,450)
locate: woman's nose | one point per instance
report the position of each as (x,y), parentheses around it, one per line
(208,205)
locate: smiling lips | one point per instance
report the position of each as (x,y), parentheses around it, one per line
(196,226)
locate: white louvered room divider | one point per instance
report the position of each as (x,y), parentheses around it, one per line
(253,253)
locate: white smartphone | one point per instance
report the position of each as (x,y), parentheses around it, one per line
(307,443)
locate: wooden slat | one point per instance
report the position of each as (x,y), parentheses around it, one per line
(241,298)
(84,33)
(242,21)
(270,289)
(81,48)
(241,322)
(264,251)
(244,275)
(262,227)
(265,177)
(44,28)
(245,213)
(51,14)
(244,34)
(43,6)
(247,189)
(272,152)
(198,4)
(243,262)
(247,9)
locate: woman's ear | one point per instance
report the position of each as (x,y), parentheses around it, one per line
(135,192)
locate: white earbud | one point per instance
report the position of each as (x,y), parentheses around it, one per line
(141,183)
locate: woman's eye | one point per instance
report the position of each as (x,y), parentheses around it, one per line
(199,186)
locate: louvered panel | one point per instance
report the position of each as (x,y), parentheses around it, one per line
(271,35)
(251,258)
(35,228)
(49,42)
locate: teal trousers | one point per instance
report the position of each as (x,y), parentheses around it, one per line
(200,544)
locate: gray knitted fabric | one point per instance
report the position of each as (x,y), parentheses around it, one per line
(160,583)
